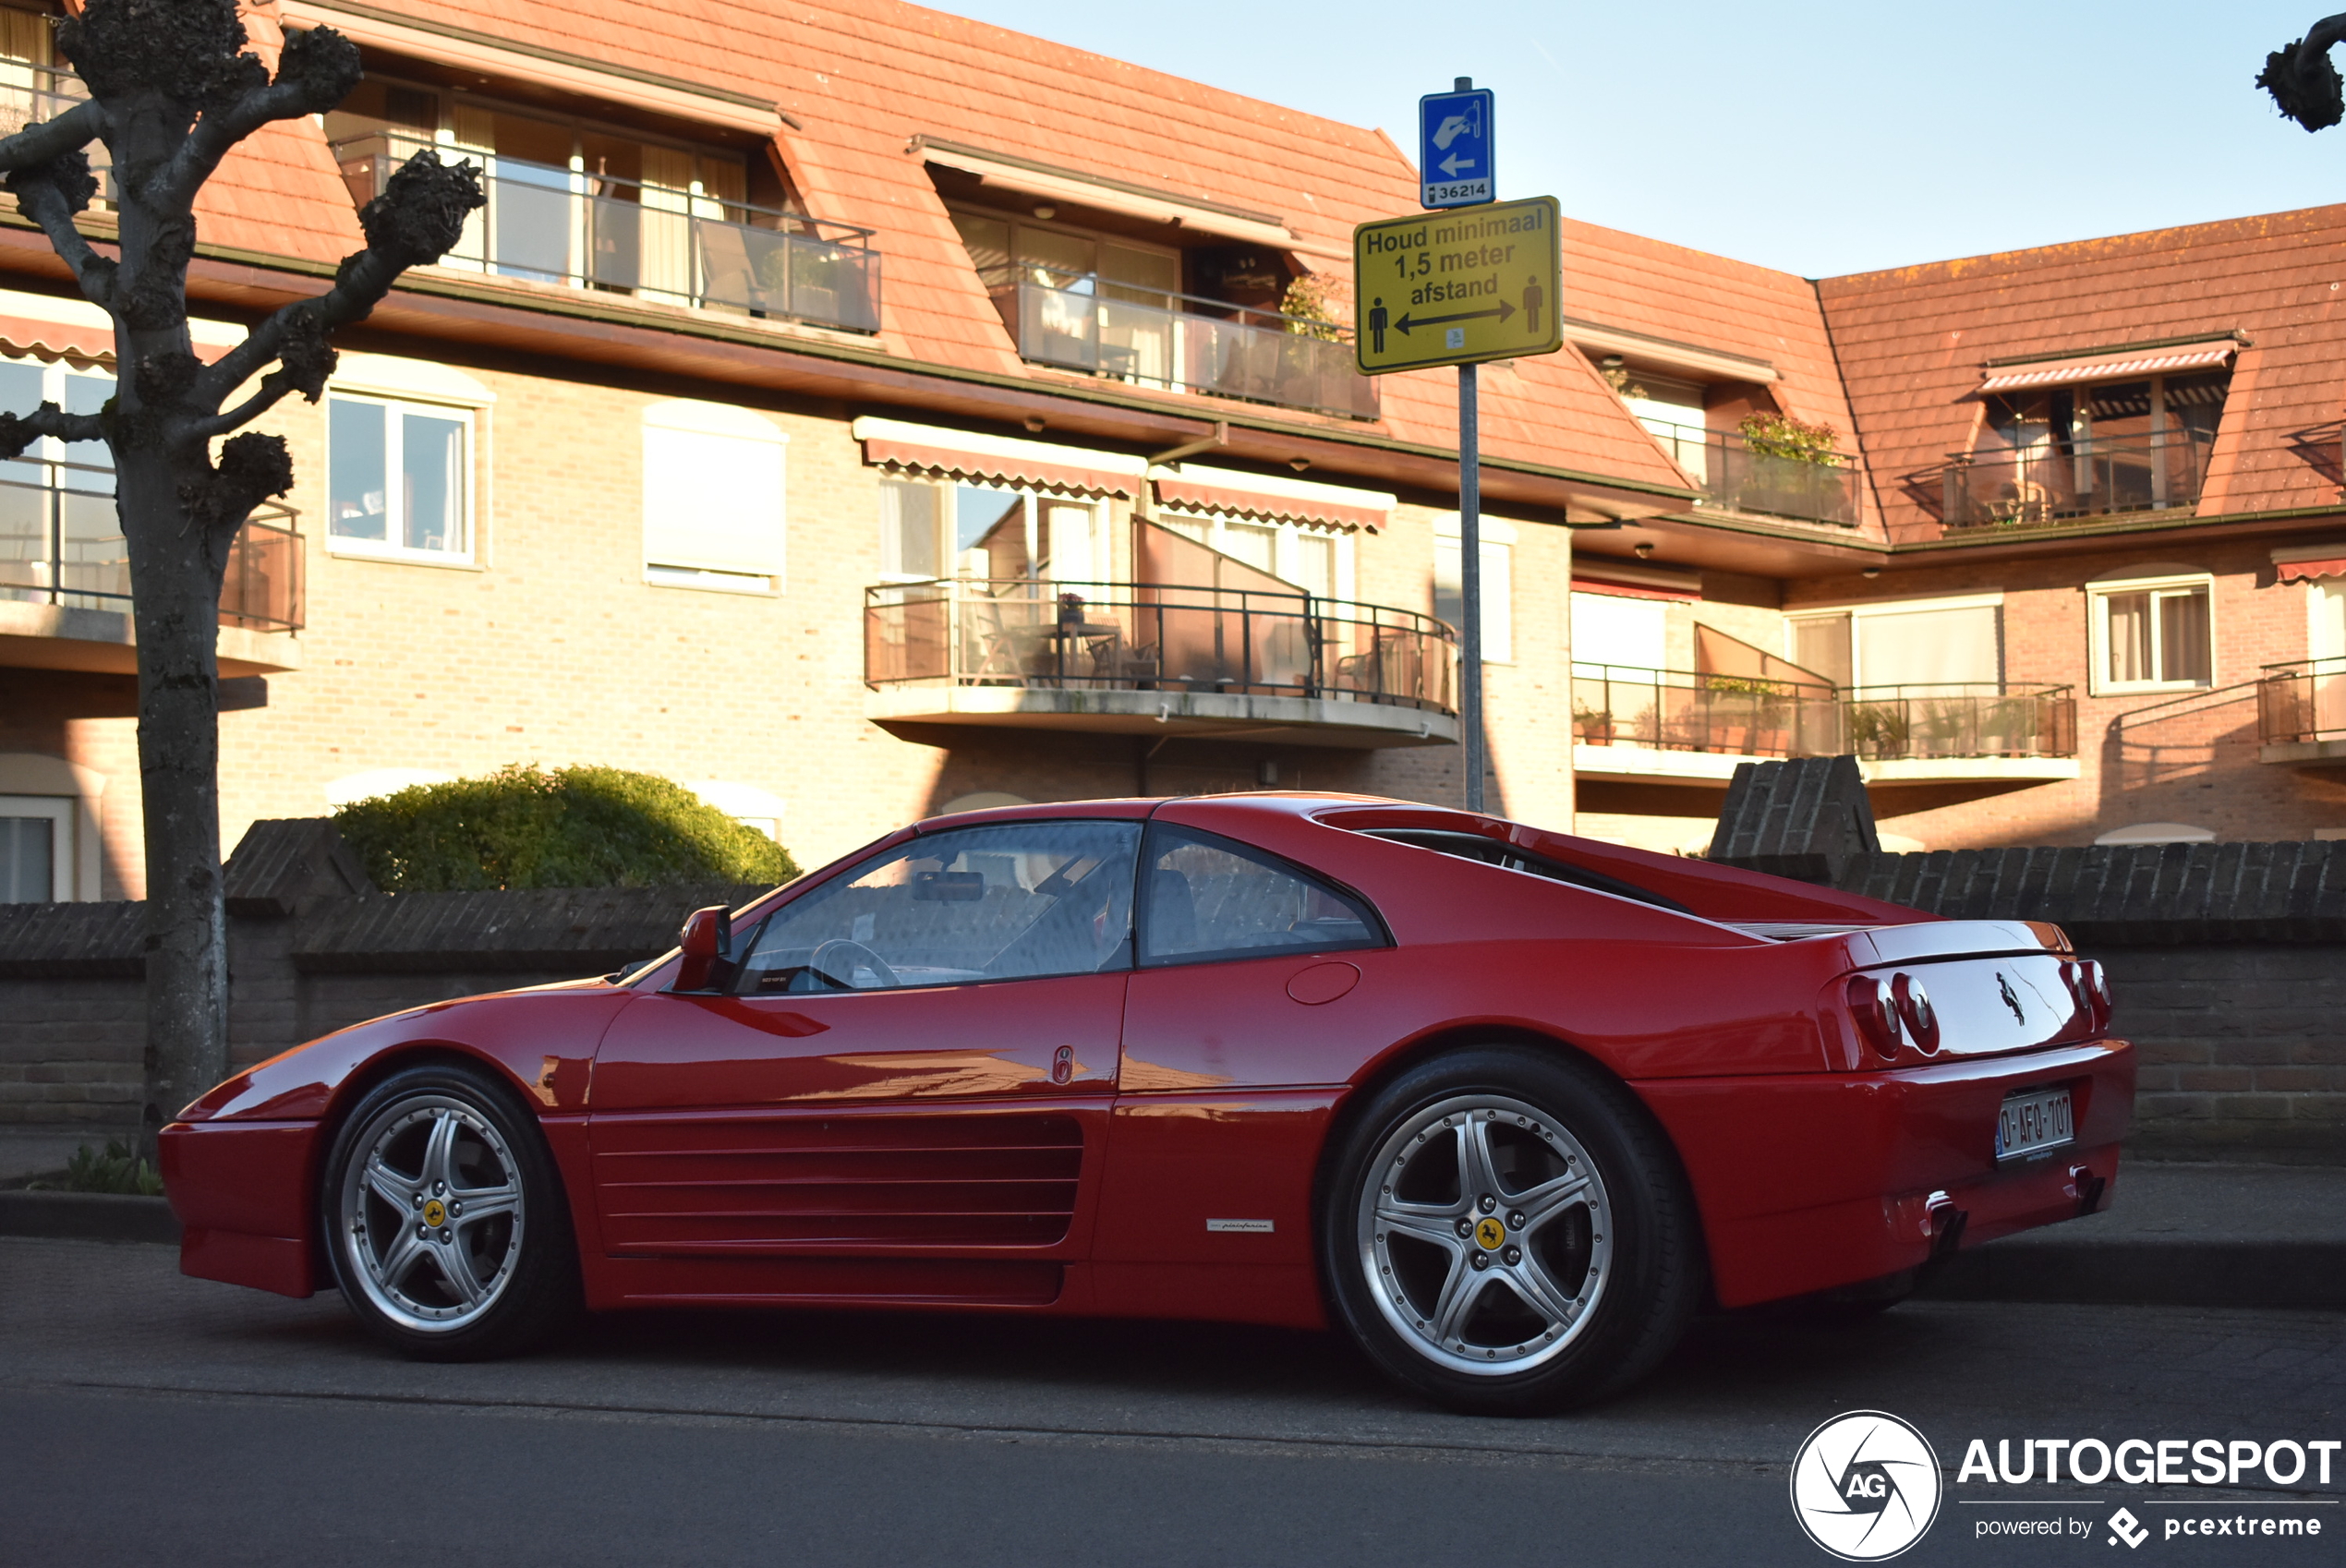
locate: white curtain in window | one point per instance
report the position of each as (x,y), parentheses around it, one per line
(1962,645)
(1617,630)
(713,489)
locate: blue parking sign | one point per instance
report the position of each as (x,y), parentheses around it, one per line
(1455,148)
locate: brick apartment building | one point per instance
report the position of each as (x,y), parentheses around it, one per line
(854,412)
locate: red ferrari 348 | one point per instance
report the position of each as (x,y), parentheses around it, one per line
(1506,1106)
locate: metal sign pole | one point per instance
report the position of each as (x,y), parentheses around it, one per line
(1470,585)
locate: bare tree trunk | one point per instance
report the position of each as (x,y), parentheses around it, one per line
(176,575)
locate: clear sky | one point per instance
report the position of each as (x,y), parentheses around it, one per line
(1818,136)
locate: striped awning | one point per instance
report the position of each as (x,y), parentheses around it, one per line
(934,452)
(2109,367)
(1269,498)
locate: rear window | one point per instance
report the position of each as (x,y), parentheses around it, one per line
(1489,851)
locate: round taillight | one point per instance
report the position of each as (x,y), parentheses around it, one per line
(1915,1012)
(1875,1006)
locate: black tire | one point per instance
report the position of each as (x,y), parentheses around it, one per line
(396,1270)
(1543,1117)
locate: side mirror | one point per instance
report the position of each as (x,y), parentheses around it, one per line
(707,937)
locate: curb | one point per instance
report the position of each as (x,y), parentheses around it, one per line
(2270,1273)
(88,1217)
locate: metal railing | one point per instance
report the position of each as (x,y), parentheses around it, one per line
(1735,477)
(2054,481)
(1744,716)
(1183,341)
(1154,637)
(31,94)
(61,543)
(596,231)
(1679,710)
(2303,700)
(1987,718)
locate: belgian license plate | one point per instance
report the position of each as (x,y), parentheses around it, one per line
(2033,1121)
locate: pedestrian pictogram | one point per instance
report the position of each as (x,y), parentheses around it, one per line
(1456,149)
(1457,287)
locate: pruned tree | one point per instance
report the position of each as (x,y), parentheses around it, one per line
(172,90)
(2302,79)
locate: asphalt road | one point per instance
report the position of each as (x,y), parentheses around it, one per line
(148,1418)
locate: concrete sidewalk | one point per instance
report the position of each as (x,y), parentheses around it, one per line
(2174,1235)
(2178,1235)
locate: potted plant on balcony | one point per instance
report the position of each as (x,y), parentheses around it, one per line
(1592,726)
(1794,468)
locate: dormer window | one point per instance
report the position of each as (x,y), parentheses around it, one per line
(608,209)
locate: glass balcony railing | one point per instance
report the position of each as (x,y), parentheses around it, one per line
(1154,637)
(2301,701)
(1734,476)
(1184,343)
(61,543)
(676,246)
(2053,482)
(30,94)
(1748,716)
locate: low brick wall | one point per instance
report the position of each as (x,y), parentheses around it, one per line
(73,992)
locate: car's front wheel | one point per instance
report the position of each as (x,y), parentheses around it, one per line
(1502,1229)
(444,1218)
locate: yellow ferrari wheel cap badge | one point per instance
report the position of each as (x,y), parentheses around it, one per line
(1489,1232)
(436,1214)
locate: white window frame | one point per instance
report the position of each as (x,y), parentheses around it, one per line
(727,422)
(1286,551)
(396,405)
(1855,609)
(1497,537)
(2097,597)
(64,814)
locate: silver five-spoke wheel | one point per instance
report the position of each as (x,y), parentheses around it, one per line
(1483,1228)
(430,1212)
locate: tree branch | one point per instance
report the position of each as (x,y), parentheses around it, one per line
(316,71)
(274,387)
(416,219)
(18,431)
(51,194)
(78,126)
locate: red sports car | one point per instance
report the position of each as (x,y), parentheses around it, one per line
(1504,1104)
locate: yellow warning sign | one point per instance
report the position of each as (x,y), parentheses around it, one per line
(1457,287)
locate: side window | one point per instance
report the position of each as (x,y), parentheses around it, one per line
(1012,902)
(1205,898)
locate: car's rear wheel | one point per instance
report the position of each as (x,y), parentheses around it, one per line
(1504,1230)
(445,1223)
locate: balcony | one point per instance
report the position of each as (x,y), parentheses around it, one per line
(1153,658)
(1183,342)
(65,577)
(649,242)
(2301,711)
(1735,478)
(1694,727)
(2056,483)
(30,94)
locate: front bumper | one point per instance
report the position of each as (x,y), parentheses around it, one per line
(1816,1180)
(241,1190)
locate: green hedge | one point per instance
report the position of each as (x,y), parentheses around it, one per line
(523,826)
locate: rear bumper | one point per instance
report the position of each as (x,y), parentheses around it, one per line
(242,1191)
(1817,1180)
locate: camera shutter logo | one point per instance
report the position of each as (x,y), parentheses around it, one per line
(1866,1486)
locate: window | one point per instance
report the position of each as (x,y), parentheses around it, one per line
(1621,632)
(713,498)
(60,486)
(982,532)
(1317,562)
(1672,413)
(1910,643)
(1498,585)
(2151,635)
(1018,901)
(1205,898)
(911,531)
(399,478)
(36,849)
